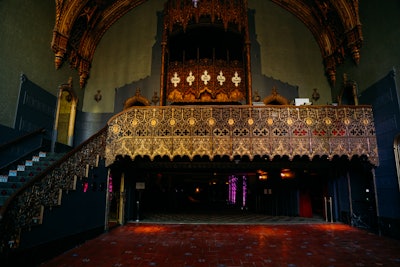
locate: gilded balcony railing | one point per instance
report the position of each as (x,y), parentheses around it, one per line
(24,209)
(243,131)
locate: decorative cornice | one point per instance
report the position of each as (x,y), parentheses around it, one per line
(336,27)
(80,25)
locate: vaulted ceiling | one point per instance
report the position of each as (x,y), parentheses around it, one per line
(80,25)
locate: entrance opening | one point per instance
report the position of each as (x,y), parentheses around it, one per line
(191,192)
(279,187)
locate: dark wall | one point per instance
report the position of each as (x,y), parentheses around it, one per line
(36,108)
(262,84)
(87,124)
(384,99)
(8,134)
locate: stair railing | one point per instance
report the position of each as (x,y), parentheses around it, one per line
(24,209)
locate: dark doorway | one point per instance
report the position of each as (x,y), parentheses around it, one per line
(196,191)
(278,187)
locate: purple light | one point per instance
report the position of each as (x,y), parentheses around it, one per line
(110,185)
(85,186)
(244,187)
(233,183)
(232,189)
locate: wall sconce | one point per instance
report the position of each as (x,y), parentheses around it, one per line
(155,98)
(98,96)
(315,95)
(68,97)
(287,174)
(257,97)
(262,175)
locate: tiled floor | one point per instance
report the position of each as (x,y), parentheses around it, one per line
(225,217)
(229,245)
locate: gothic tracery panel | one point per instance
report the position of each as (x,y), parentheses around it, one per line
(243,131)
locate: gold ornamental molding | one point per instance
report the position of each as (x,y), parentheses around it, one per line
(242,131)
(80,25)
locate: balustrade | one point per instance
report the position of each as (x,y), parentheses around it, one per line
(243,131)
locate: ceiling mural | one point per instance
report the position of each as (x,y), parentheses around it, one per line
(80,25)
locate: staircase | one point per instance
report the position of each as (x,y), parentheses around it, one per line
(23,173)
(53,200)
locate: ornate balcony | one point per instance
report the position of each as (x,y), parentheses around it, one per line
(243,131)
(190,131)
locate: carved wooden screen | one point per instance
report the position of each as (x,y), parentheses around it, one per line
(205,53)
(206,81)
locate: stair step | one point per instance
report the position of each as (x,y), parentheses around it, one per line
(12,185)
(5,185)
(12,173)
(3,178)
(3,200)
(42,164)
(21,168)
(6,192)
(35,169)
(20,179)
(24,173)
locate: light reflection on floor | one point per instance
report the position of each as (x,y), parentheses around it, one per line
(146,228)
(190,245)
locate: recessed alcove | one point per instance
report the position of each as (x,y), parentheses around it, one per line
(205,41)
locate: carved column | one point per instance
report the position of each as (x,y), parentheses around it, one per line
(59,46)
(71,124)
(162,71)
(248,55)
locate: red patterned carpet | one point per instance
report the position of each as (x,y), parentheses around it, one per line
(228,245)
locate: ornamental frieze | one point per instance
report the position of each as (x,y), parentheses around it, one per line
(243,131)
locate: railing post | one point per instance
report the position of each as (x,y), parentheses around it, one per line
(330,207)
(107,211)
(121,212)
(350,198)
